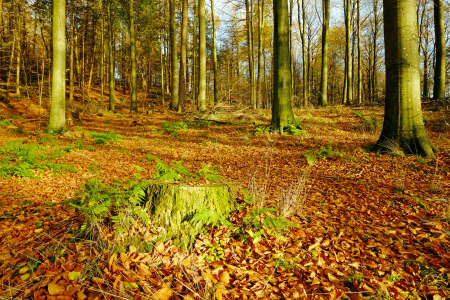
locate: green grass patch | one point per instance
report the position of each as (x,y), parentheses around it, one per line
(103,138)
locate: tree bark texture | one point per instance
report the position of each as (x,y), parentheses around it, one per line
(183,50)
(439,29)
(202,57)
(172,206)
(323,97)
(134,102)
(403,123)
(174,56)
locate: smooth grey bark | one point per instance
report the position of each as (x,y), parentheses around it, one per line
(194,60)
(202,57)
(250,53)
(112,97)
(403,123)
(359,52)
(216,71)
(260,51)
(57,120)
(323,99)
(174,57)
(183,50)
(282,114)
(348,51)
(439,29)
(72,44)
(134,102)
(302,27)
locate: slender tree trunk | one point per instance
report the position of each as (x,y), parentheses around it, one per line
(162,72)
(324,78)
(260,50)
(291,28)
(403,124)
(102,76)
(359,53)
(250,54)
(282,114)
(302,26)
(439,29)
(112,97)
(18,56)
(184,25)
(57,119)
(375,55)
(72,44)
(91,71)
(348,50)
(134,102)
(194,60)
(426,92)
(202,75)
(174,56)
(216,71)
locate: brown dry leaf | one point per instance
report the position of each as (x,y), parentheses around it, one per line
(54,289)
(163,294)
(159,247)
(81,295)
(224,277)
(355,265)
(98,280)
(144,270)
(336,294)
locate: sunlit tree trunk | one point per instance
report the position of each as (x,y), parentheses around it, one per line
(102,75)
(194,60)
(18,56)
(182,85)
(260,50)
(112,97)
(72,44)
(359,52)
(348,51)
(403,124)
(134,102)
(174,57)
(375,54)
(216,71)
(250,54)
(323,100)
(202,58)
(439,29)
(302,26)
(57,120)
(281,108)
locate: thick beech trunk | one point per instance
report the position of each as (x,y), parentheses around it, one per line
(403,124)
(282,114)
(323,100)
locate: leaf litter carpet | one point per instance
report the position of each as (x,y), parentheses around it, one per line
(372,226)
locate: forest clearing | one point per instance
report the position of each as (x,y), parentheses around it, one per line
(368,226)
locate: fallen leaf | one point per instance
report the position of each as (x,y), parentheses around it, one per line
(163,294)
(54,289)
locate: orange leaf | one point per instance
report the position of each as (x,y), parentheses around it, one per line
(163,294)
(54,289)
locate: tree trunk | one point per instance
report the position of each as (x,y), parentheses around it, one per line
(302,27)
(184,25)
(172,206)
(250,54)
(260,50)
(375,54)
(439,29)
(18,56)
(324,77)
(403,124)
(102,76)
(359,53)
(194,61)
(112,97)
(72,44)
(57,119)
(202,64)
(282,114)
(216,71)
(134,102)
(174,56)
(348,50)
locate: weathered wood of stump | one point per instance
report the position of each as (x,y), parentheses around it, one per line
(172,206)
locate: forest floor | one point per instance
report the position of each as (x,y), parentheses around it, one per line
(369,226)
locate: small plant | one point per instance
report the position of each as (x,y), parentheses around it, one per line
(261,129)
(6,123)
(393,277)
(172,128)
(16,130)
(353,280)
(421,204)
(324,152)
(103,138)
(295,128)
(215,251)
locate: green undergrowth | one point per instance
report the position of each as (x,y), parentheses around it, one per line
(21,159)
(293,129)
(79,145)
(103,138)
(177,172)
(172,128)
(6,123)
(369,122)
(324,152)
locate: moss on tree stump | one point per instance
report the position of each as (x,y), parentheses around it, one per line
(173,206)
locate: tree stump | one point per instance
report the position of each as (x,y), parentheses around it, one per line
(173,205)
